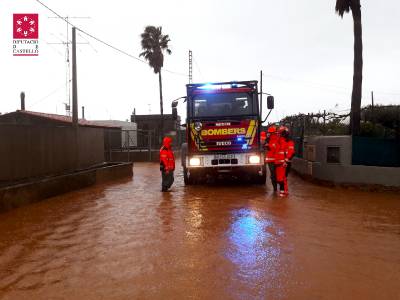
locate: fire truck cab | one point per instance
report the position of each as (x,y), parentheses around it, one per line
(223,132)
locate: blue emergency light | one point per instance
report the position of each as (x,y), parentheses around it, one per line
(207,86)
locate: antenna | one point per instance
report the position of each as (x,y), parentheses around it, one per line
(190,66)
(67,60)
(67,109)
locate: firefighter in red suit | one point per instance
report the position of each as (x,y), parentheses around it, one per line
(281,158)
(271,146)
(167,164)
(290,150)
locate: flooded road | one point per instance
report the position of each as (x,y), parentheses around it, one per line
(127,240)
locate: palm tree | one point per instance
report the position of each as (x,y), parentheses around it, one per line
(154,43)
(344,6)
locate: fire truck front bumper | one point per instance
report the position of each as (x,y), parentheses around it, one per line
(226,162)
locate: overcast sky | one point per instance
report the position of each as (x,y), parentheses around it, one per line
(303,47)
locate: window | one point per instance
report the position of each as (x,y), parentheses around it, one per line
(223,104)
(333,155)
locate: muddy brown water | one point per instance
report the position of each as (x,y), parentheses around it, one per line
(127,240)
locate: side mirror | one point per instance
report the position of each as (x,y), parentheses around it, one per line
(270,102)
(174,110)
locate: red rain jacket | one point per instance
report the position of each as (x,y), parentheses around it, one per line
(167,159)
(290,150)
(272,147)
(281,151)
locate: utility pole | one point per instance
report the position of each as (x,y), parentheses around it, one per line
(190,66)
(324,117)
(83,112)
(67,60)
(74,81)
(261,95)
(372,108)
(22,96)
(398,124)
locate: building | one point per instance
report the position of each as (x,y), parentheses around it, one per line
(128,133)
(151,125)
(26,117)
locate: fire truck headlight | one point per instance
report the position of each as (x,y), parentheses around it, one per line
(195,162)
(198,126)
(254,159)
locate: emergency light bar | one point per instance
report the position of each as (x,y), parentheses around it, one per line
(222,87)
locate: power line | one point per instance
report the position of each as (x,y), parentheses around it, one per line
(103,42)
(198,69)
(94,49)
(48,95)
(333,88)
(389,93)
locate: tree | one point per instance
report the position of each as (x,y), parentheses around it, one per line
(342,7)
(154,44)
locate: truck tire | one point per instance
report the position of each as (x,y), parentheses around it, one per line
(186,179)
(261,179)
(184,151)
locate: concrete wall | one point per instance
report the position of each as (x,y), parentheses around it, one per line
(348,174)
(34,151)
(321,143)
(315,164)
(23,194)
(132,156)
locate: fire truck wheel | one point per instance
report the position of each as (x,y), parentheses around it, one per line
(186,179)
(184,154)
(261,179)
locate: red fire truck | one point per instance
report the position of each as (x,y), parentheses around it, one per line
(223,131)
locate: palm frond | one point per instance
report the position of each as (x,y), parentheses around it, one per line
(343,6)
(154,43)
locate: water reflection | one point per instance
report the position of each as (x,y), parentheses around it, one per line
(255,251)
(166,211)
(195,220)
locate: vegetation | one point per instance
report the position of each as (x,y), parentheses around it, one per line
(154,44)
(342,7)
(381,121)
(378,121)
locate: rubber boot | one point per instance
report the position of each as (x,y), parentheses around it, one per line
(274,185)
(285,186)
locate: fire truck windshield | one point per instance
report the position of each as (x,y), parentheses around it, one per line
(223,104)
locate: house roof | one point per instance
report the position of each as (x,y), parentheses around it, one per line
(154,117)
(58,118)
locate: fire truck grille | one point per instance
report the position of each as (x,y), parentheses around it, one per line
(216,162)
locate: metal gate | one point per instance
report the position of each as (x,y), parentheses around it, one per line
(129,145)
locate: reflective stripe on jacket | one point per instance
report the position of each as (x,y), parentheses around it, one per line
(167,159)
(272,146)
(281,152)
